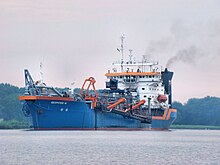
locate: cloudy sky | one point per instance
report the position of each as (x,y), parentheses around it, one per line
(77,39)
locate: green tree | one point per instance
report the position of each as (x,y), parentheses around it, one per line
(10,107)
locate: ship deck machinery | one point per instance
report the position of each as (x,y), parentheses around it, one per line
(51,109)
(114,101)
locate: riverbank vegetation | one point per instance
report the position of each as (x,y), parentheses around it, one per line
(11,116)
(13,124)
(198,111)
(205,127)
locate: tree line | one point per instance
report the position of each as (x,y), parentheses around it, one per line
(199,111)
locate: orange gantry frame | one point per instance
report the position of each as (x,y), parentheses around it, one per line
(91,81)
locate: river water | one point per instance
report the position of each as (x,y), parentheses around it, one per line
(20,147)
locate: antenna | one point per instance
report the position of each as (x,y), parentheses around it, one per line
(41,72)
(72,87)
(130,55)
(122,51)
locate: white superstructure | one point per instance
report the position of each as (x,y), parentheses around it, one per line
(143,79)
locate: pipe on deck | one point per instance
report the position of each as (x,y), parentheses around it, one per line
(121,100)
(136,105)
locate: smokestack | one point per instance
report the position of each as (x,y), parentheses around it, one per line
(167,77)
(149,108)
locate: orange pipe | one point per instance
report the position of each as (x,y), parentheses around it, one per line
(121,100)
(136,105)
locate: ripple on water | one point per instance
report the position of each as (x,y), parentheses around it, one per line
(109,147)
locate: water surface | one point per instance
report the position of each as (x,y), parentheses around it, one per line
(20,147)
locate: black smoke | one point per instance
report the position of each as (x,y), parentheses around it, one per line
(188,55)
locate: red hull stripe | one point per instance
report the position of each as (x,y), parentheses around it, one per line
(104,129)
(45,98)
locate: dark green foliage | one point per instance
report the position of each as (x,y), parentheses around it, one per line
(204,111)
(207,127)
(10,107)
(13,124)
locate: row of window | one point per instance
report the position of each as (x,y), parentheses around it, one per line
(150,96)
(153,89)
(134,77)
(150,76)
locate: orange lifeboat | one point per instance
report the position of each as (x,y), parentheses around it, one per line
(162,98)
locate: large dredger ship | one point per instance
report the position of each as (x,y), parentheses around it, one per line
(138,96)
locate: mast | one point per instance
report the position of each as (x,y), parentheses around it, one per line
(72,88)
(41,73)
(130,55)
(122,51)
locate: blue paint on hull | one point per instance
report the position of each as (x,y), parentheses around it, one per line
(164,124)
(50,114)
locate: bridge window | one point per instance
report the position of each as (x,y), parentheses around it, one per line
(133,78)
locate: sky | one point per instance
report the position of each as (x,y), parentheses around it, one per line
(78,39)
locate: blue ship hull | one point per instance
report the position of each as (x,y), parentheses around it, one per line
(59,114)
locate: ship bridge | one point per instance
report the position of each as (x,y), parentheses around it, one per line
(143,79)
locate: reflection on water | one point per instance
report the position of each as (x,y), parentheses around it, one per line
(109,147)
